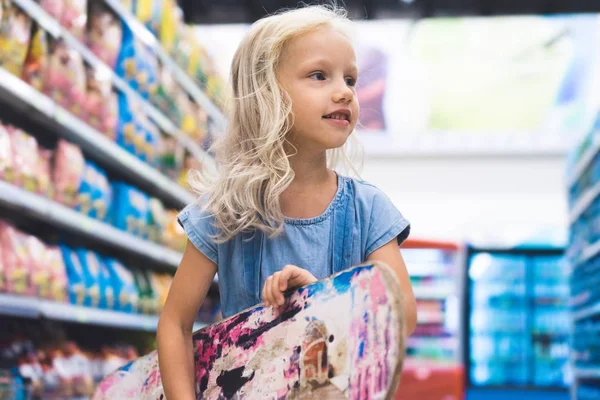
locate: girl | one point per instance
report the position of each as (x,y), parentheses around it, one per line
(277,217)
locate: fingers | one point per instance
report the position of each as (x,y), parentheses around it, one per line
(279,282)
(287,273)
(276,292)
(267,294)
(271,293)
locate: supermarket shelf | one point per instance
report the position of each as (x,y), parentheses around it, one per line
(583,163)
(30,307)
(587,373)
(56,30)
(13,89)
(184,80)
(587,253)
(586,312)
(64,217)
(584,202)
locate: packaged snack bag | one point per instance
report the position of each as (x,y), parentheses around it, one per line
(16,260)
(44,178)
(65,78)
(174,236)
(56,82)
(58,274)
(86,188)
(74,17)
(147,71)
(39,270)
(15,33)
(68,172)
(6,156)
(171,18)
(77,285)
(172,157)
(148,298)
(126,66)
(188,122)
(98,91)
(111,116)
(77,91)
(157,220)
(123,283)
(105,34)
(34,70)
(25,158)
(93,283)
(127,126)
(102,196)
(165,92)
(154,141)
(108,284)
(142,209)
(148,134)
(95,194)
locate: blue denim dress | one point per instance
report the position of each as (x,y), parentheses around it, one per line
(358,221)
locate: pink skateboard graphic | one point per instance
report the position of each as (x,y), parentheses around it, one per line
(341,337)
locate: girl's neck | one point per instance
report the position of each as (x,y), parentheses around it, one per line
(312,190)
(310,170)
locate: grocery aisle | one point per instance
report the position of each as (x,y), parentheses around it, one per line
(105,105)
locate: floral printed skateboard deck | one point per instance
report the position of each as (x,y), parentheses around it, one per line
(341,337)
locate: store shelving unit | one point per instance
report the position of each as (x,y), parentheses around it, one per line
(434,270)
(30,307)
(48,114)
(65,218)
(517,318)
(584,258)
(180,76)
(54,28)
(433,368)
(37,108)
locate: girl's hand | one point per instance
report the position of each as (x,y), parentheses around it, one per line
(290,277)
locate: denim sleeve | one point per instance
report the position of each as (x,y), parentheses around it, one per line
(386,223)
(199,228)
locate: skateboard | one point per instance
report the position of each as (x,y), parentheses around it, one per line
(340,337)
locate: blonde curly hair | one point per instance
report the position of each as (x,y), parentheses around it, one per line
(253,167)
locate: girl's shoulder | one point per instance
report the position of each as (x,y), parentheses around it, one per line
(199,226)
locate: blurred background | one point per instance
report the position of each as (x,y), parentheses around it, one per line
(480,120)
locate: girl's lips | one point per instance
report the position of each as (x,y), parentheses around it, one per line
(338,122)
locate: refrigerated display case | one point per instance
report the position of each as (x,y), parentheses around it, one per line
(517,319)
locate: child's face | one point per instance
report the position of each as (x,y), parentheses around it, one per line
(318,71)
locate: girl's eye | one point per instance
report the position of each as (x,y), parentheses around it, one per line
(350,81)
(318,76)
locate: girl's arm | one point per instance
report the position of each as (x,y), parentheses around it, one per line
(174,335)
(390,255)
